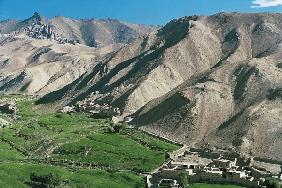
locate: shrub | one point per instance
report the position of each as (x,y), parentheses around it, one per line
(183,179)
(272,183)
(44,181)
(118,127)
(115,128)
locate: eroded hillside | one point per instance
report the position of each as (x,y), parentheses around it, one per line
(205,81)
(40,55)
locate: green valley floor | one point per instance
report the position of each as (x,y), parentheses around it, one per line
(73,150)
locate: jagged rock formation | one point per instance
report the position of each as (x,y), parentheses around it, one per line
(90,32)
(205,81)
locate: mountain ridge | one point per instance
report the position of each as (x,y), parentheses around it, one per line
(205,81)
(82,31)
(39,55)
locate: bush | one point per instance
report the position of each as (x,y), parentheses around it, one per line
(237,142)
(119,127)
(116,128)
(183,182)
(272,183)
(45,181)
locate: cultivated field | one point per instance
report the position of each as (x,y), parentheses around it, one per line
(80,150)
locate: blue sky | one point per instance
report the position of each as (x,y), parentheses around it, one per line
(136,11)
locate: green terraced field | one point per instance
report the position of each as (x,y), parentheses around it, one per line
(83,151)
(16,175)
(7,153)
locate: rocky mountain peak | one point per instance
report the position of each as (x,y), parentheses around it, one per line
(91,32)
(36,16)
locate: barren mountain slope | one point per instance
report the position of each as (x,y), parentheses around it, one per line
(205,81)
(236,104)
(150,67)
(195,79)
(34,66)
(38,56)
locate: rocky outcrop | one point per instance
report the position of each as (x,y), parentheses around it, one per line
(44,31)
(90,32)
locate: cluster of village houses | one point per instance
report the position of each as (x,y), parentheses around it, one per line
(206,170)
(87,105)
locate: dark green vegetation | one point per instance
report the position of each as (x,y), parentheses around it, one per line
(183,182)
(44,180)
(73,150)
(279,65)
(17,175)
(272,183)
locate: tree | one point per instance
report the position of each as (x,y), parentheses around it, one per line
(119,127)
(116,128)
(44,181)
(276,184)
(183,179)
(272,183)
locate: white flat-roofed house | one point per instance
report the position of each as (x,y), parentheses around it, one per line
(224,164)
(168,183)
(187,165)
(234,174)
